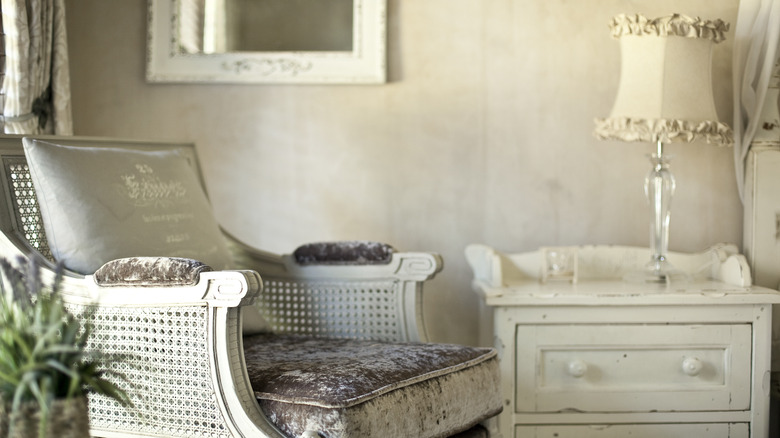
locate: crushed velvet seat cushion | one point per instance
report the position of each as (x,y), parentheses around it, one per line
(349,388)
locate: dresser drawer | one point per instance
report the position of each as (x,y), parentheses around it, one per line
(703,430)
(623,368)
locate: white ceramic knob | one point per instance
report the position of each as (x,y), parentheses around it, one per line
(577,368)
(692,366)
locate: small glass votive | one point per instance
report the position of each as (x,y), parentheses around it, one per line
(559,263)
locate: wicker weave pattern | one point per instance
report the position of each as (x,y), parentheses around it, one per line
(26,210)
(168,367)
(358,309)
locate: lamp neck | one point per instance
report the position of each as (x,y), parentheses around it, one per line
(659,148)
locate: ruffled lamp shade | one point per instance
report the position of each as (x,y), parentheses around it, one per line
(664,95)
(665,91)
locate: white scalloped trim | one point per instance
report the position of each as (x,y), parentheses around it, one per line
(666,131)
(671,25)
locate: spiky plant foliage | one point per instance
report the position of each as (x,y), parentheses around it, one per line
(43,354)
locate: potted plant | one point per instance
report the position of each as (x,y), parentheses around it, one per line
(46,370)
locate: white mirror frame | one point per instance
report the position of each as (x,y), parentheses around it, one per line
(365,64)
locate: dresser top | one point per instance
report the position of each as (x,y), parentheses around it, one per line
(617,293)
(718,275)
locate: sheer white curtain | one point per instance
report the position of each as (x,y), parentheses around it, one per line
(756,41)
(37,80)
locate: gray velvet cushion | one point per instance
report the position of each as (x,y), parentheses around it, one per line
(349,388)
(104,203)
(350,252)
(150,271)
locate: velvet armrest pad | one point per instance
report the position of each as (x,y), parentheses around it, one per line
(344,253)
(150,271)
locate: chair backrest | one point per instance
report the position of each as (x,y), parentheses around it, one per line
(380,302)
(22,229)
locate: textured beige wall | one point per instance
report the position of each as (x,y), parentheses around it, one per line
(482,135)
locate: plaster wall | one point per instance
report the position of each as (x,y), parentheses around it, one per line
(482,135)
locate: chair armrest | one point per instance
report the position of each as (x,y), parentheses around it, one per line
(150,271)
(174,321)
(405,266)
(369,301)
(156,281)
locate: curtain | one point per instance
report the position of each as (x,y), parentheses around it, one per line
(756,39)
(202,26)
(191,26)
(37,80)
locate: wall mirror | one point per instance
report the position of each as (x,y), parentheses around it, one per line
(267,41)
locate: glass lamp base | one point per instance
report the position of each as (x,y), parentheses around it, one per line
(657,272)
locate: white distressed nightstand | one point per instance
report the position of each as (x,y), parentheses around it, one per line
(606,358)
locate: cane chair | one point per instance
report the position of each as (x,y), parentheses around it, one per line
(327,342)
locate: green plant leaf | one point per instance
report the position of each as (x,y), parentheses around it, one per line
(43,348)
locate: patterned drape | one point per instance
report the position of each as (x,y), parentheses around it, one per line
(37,80)
(756,40)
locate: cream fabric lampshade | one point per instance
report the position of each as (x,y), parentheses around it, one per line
(665,91)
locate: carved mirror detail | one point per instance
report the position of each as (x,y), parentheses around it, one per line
(267,41)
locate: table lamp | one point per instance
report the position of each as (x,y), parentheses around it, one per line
(664,95)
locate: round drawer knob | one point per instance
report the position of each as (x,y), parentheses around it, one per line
(692,366)
(577,368)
